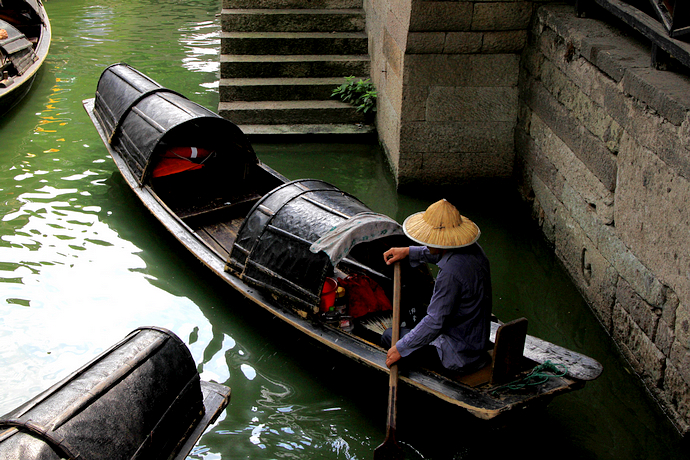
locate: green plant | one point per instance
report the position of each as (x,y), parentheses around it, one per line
(361,94)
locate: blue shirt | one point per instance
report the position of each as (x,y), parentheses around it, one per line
(458,318)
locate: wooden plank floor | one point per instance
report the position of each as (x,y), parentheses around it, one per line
(220,236)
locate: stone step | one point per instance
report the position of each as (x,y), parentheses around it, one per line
(351,132)
(292,66)
(281,60)
(292,20)
(312,4)
(238,43)
(278,89)
(290,112)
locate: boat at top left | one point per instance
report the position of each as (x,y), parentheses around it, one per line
(24,42)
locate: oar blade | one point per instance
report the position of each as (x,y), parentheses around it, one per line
(389,450)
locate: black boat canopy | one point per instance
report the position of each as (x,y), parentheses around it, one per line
(272,249)
(141,399)
(34,4)
(142,120)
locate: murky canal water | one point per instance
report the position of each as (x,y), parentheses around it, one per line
(82,264)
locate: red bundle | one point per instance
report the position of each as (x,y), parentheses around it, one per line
(364,295)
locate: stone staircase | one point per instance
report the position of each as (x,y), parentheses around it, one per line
(281,59)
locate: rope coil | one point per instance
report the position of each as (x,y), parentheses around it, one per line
(539,375)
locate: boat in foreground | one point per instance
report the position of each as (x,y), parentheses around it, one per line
(283,243)
(25,36)
(140,399)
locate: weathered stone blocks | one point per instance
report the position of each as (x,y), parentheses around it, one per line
(511,41)
(644,315)
(457,137)
(602,143)
(592,273)
(461,69)
(582,142)
(440,16)
(652,214)
(501,15)
(472,104)
(645,358)
(676,395)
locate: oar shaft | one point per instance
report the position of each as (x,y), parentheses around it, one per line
(393,381)
(396,303)
(390,450)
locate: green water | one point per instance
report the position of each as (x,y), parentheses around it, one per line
(82,264)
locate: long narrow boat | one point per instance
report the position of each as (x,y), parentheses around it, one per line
(24,42)
(279,243)
(140,399)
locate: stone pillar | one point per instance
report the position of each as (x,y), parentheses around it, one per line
(447,75)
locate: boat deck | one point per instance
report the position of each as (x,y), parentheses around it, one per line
(220,236)
(213,207)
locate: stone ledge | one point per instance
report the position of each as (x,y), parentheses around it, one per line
(667,92)
(622,59)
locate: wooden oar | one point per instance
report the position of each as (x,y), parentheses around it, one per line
(390,449)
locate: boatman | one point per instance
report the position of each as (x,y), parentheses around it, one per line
(454,333)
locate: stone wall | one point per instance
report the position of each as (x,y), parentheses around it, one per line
(603,151)
(598,141)
(447,76)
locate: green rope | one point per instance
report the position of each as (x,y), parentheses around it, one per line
(539,375)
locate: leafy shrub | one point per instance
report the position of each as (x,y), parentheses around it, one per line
(361,94)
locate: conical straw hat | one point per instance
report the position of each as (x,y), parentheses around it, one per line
(441,226)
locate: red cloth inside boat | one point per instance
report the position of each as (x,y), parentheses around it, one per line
(179,159)
(364,295)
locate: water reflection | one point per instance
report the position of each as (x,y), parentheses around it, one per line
(71,285)
(283,428)
(201,43)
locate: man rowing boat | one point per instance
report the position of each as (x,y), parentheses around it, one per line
(454,333)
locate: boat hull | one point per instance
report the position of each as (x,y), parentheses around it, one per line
(482,402)
(12,94)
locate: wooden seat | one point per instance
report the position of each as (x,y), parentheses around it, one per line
(233,207)
(506,356)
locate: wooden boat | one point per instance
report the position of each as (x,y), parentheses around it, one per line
(140,399)
(261,234)
(24,42)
